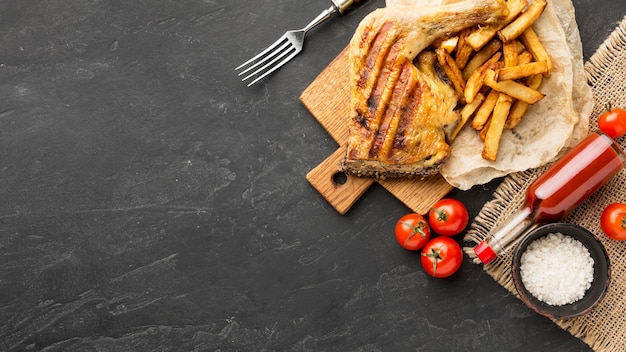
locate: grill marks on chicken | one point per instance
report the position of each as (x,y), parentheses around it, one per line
(400,106)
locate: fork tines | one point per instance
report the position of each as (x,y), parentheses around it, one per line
(269,60)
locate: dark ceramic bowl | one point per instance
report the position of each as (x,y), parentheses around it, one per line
(601,272)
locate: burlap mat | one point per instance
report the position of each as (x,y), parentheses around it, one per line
(604,328)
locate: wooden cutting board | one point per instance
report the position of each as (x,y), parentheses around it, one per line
(328,98)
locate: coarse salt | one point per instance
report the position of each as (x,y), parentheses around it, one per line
(557,269)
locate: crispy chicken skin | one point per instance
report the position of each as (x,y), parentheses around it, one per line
(400,108)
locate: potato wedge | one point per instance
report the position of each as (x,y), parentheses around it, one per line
(463,50)
(448,44)
(532,43)
(524,21)
(496,126)
(513,89)
(485,110)
(452,70)
(510,52)
(466,113)
(475,81)
(525,57)
(521,71)
(480,37)
(518,110)
(482,134)
(481,57)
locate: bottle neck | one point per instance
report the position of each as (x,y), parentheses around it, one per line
(505,235)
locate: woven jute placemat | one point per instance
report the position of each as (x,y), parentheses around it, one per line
(604,328)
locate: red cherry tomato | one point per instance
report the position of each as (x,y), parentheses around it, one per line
(441,257)
(412,231)
(613,122)
(613,221)
(448,217)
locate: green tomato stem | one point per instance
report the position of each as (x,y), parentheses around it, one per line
(442,215)
(435,254)
(417,229)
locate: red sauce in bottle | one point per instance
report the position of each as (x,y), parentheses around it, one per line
(554,194)
(581,172)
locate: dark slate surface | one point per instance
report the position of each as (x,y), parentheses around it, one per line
(149,201)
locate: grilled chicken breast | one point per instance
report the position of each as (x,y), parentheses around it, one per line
(401,108)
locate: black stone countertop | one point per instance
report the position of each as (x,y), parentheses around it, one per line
(149,201)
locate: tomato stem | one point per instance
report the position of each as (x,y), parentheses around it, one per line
(442,215)
(417,229)
(435,254)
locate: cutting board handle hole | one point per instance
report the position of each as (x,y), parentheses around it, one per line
(340,178)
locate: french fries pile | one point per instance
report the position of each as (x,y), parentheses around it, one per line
(497,70)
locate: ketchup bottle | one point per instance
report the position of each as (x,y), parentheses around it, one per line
(552,196)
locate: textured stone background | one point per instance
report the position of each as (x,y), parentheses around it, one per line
(150,201)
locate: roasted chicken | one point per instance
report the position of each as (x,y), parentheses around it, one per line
(401,107)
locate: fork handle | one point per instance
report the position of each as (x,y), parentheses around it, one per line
(342,5)
(338,6)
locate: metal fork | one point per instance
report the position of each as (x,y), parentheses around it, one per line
(287,46)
